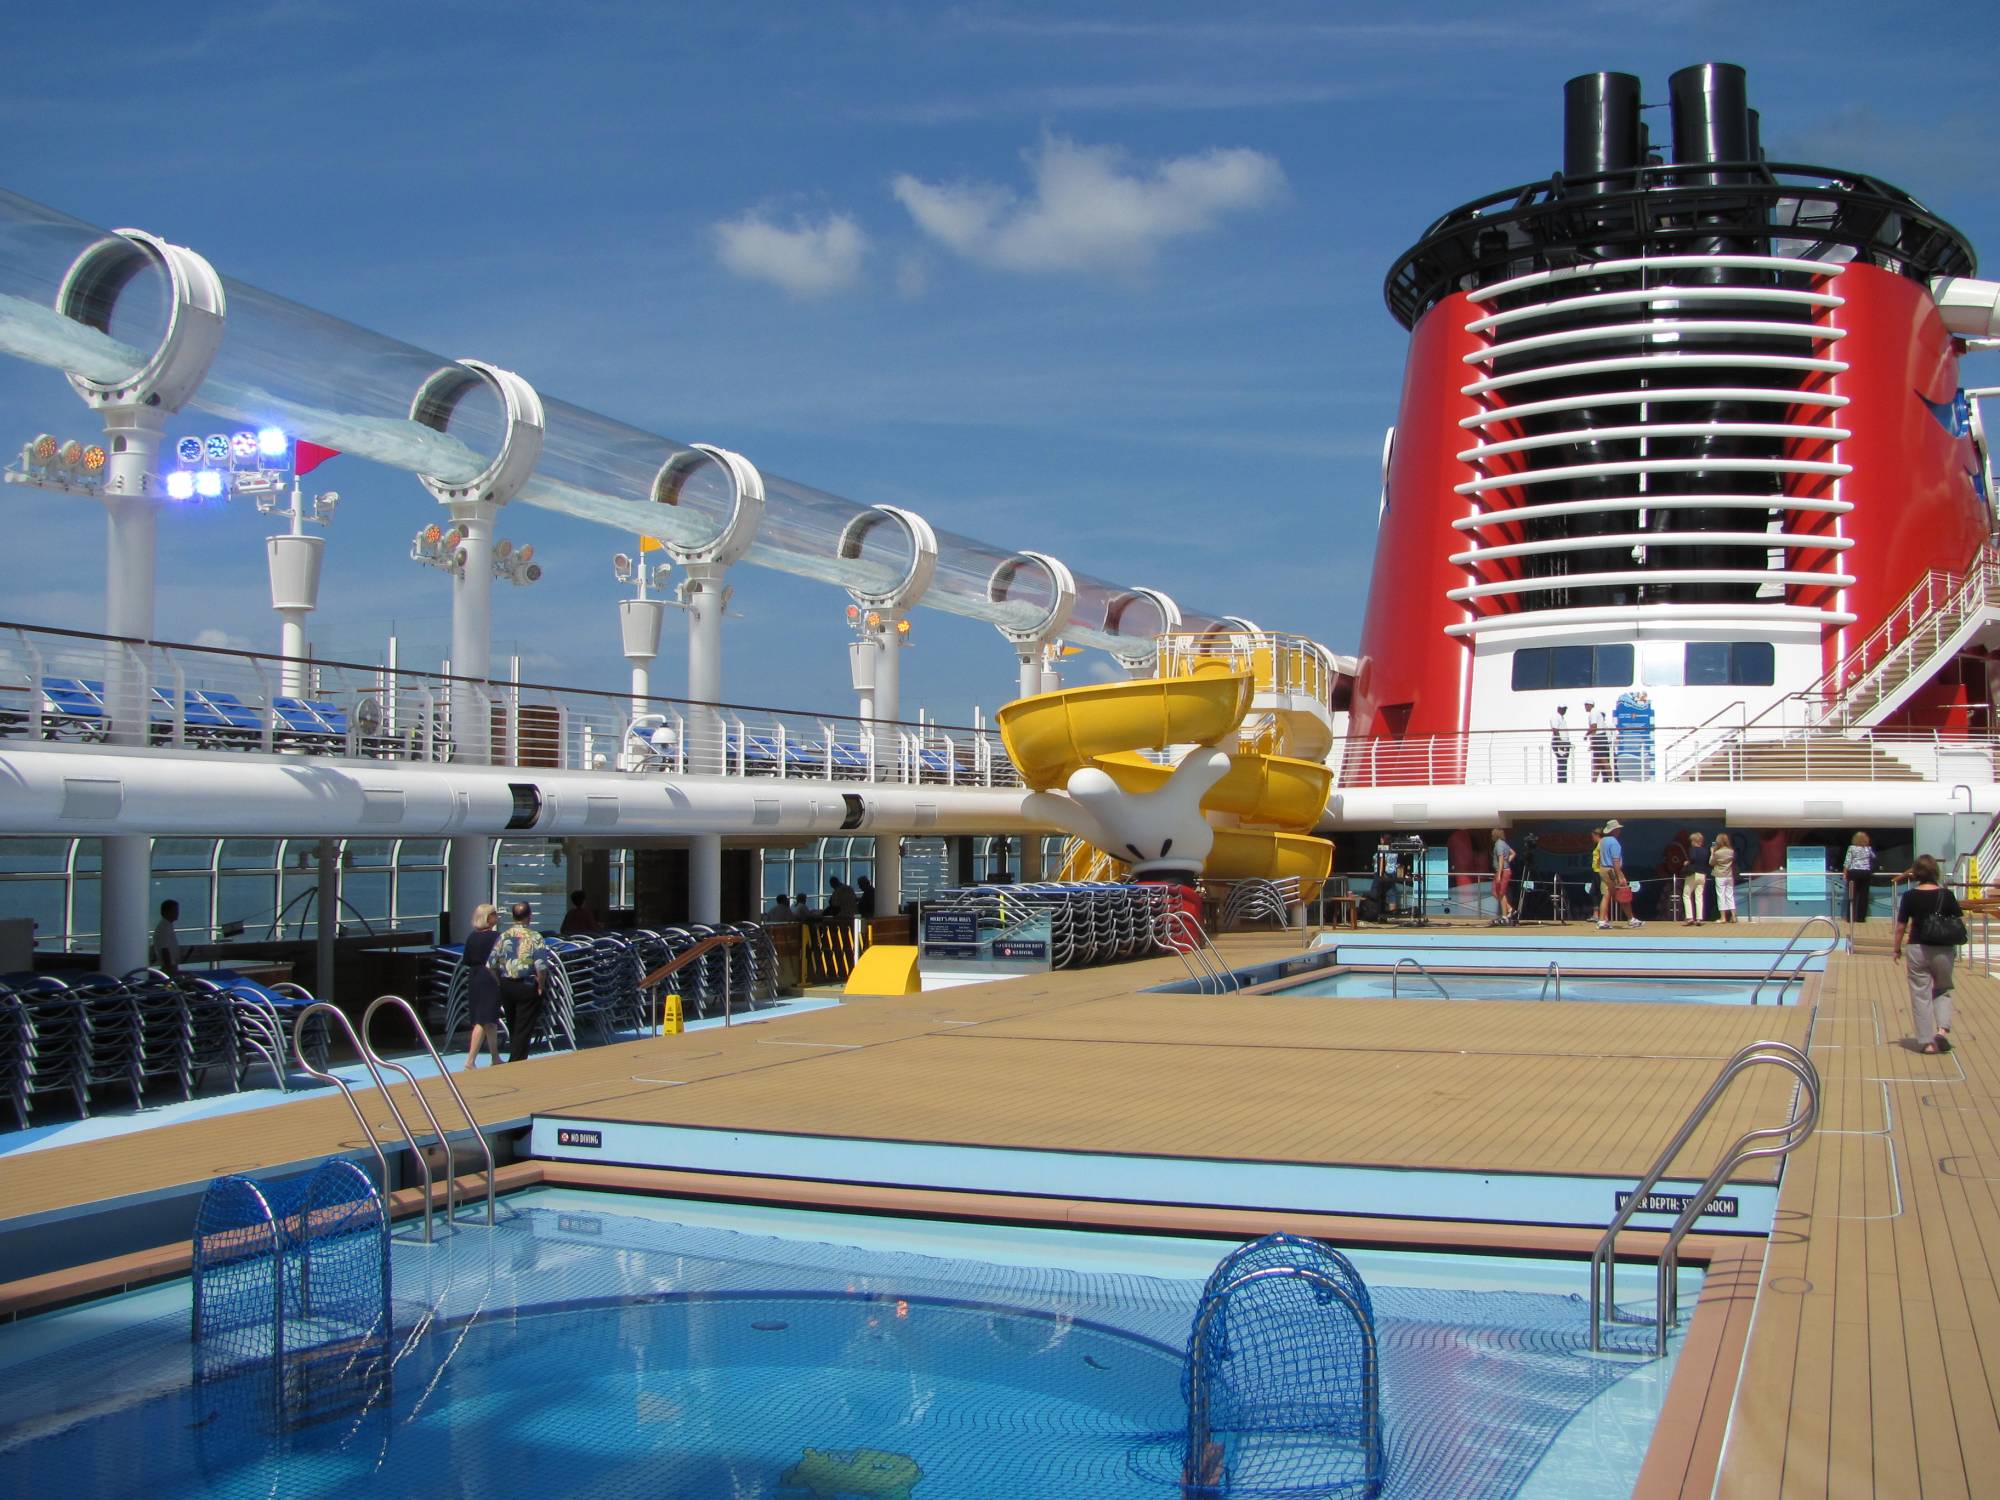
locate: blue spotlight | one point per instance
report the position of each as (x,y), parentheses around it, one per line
(216,448)
(188,451)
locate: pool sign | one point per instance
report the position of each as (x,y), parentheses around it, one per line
(568,1135)
(1676,1204)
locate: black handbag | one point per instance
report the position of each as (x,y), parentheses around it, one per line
(1941,929)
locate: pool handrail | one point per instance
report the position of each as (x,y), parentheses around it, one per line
(1182,933)
(1396,974)
(1603,1262)
(451,1085)
(1553,971)
(347,1093)
(1784,952)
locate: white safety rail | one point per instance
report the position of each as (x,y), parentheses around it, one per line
(1716,752)
(1280,663)
(52,688)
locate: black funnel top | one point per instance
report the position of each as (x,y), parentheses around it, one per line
(1601,126)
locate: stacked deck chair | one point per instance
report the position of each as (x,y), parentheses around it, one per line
(619,972)
(447,992)
(111,1034)
(213,1039)
(760,960)
(572,982)
(56,1054)
(166,1028)
(16,1039)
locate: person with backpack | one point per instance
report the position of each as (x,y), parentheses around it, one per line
(1929,929)
(520,960)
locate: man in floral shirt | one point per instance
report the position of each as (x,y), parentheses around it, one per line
(520,962)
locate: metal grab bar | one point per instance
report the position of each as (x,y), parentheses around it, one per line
(1554,971)
(680,961)
(1183,935)
(1396,974)
(1603,1265)
(382,1085)
(1790,943)
(417,1025)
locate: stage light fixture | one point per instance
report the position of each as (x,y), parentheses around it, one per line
(621,568)
(503,549)
(272,442)
(44,449)
(243,445)
(70,454)
(94,458)
(188,450)
(208,484)
(215,448)
(180,485)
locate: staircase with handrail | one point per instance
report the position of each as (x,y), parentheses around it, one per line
(1784,1139)
(654,984)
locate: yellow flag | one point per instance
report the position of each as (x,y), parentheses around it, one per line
(651,544)
(1072,651)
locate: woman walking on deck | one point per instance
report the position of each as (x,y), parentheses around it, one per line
(1859,868)
(482,989)
(1694,880)
(1929,928)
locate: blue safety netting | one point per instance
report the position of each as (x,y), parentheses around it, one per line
(575,1349)
(1283,1381)
(291,1292)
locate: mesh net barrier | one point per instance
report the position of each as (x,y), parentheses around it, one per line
(290,1289)
(583,1350)
(1283,1380)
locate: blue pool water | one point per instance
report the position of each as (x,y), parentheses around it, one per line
(1473,985)
(609,1346)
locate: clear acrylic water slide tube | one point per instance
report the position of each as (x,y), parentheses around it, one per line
(333,382)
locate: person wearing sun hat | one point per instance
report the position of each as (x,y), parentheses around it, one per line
(1617,890)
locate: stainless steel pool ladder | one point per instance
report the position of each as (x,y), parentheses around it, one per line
(1186,936)
(451,1085)
(339,1018)
(1783,1140)
(1785,952)
(1552,973)
(1396,974)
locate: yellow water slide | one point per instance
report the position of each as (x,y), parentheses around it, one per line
(1260,810)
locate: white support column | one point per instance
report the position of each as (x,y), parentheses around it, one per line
(706,729)
(294,560)
(888,709)
(1032,865)
(469,855)
(1030,681)
(132,440)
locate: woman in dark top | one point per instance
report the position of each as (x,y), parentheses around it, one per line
(1928,965)
(484,987)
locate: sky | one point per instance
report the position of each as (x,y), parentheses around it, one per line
(1100,280)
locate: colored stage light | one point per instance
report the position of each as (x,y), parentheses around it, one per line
(180,485)
(208,484)
(902,627)
(188,450)
(45,449)
(71,454)
(243,445)
(215,448)
(527,551)
(503,549)
(272,442)
(432,534)
(93,459)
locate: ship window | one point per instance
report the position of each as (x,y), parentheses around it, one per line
(1731,664)
(1569,667)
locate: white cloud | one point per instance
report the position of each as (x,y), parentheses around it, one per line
(1091,209)
(220,640)
(807,260)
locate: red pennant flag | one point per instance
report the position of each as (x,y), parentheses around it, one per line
(311,456)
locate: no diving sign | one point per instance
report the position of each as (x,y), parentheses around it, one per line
(570,1135)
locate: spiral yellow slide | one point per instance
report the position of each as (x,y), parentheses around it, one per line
(1260,810)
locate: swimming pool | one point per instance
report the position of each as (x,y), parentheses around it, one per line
(595,1344)
(1473,984)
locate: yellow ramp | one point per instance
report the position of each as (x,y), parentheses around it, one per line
(885,969)
(1052,735)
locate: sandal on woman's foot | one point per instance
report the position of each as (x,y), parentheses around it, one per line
(1928,1048)
(1940,1043)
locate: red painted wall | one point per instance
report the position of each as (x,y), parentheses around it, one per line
(1914,505)
(1407,658)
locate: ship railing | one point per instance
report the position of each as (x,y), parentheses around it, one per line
(1713,752)
(75,686)
(1290,665)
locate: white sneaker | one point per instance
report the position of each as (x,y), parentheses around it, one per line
(1635,922)
(1603,926)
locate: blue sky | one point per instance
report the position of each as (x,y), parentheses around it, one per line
(1102,280)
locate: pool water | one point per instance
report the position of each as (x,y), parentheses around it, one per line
(1662,989)
(597,1345)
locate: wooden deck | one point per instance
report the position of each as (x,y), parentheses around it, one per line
(1873,1356)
